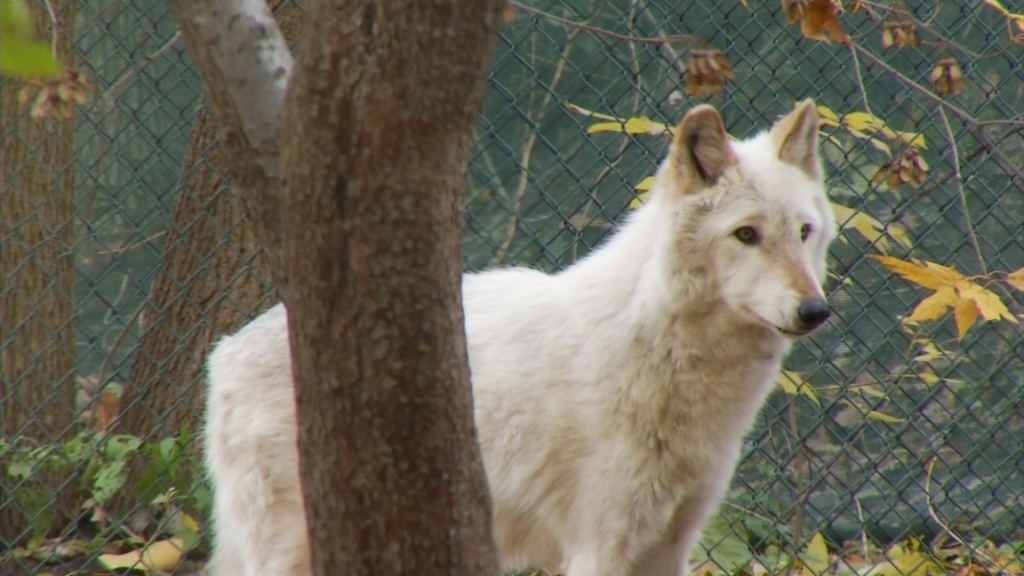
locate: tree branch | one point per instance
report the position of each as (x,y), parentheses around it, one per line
(244,64)
(658,40)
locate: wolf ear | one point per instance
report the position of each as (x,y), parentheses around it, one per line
(796,136)
(700,150)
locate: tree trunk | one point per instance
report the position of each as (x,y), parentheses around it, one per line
(37,284)
(375,148)
(214,278)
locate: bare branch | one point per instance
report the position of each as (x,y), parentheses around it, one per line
(658,40)
(958,178)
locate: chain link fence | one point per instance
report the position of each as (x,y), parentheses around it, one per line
(125,255)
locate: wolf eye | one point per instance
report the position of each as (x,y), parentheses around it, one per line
(805,231)
(746,234)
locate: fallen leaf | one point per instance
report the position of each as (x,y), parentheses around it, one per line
(815,558)
(162,555)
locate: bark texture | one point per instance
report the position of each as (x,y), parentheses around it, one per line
(37,284)
(377,129)
(214,278)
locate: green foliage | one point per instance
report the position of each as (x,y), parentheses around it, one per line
(20,55)
(104,464)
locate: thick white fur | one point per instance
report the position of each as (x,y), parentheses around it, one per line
(611,399)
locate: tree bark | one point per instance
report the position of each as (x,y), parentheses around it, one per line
(214,278)
(377,129)
(37,291)
(244,64)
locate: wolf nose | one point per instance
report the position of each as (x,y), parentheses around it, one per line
(813,312)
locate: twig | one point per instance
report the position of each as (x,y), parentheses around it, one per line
(666,50)
(679,38)
(860,79)
(958,178)
(962,114)
(580,221)
(863,534)
(528,145)
(750,512)
(55,37)
(122,250)
(990,146)
(936,182)
(124,78)
(943,525)
(959,112)
(101,383)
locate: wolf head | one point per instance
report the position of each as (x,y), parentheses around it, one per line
(752,215)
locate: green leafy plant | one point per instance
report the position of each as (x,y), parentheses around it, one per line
(20,55)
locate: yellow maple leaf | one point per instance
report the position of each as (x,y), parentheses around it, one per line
(966,314)
(1017,19)
(1016,279)
(636,125)
(793,384)
(932,277)
(862,122)
(644,187)
(929,353)
(645,184)
(989,304)
(827,117)
(934,306)
(870,228)
(883,417)
(944,272)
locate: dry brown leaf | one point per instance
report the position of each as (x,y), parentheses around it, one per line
(947,78)
(57,96)
(508,14)
(900,35)
(909,168)
(707,72)
(816,18)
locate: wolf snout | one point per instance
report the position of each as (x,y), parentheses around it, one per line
(813,312)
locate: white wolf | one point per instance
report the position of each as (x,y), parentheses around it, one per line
(611,399)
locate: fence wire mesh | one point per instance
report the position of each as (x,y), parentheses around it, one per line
(125,254)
